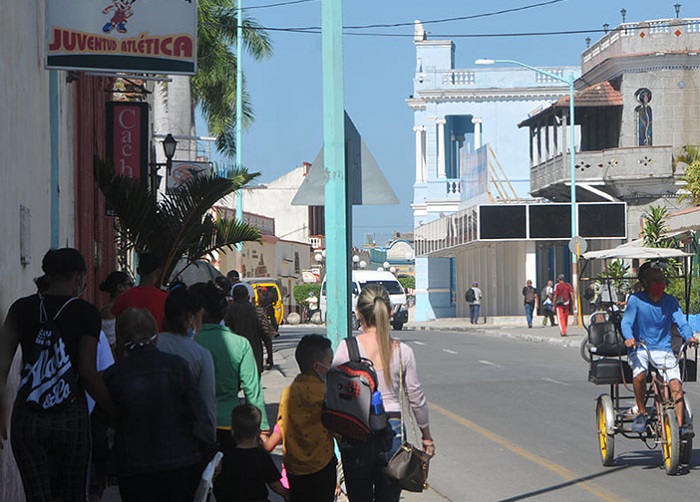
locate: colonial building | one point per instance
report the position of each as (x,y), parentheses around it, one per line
(466,127)
(635,108)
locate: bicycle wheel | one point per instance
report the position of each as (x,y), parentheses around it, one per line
(583,349)
(670,448)
(605,419)
(687,443)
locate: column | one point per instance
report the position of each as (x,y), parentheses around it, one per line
(477,132)
(441,147)
(460,149)
(419,154)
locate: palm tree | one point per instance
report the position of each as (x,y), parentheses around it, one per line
(214,85)
(690,156)
(181,224)
(655,227)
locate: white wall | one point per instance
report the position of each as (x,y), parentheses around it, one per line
(291,222)
(26,169)
(500,270)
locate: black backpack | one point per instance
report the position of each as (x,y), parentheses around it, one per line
(49,381)
(470,295)
(348,396)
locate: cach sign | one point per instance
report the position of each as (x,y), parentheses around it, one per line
(127,138)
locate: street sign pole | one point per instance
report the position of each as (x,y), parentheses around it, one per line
(337,211)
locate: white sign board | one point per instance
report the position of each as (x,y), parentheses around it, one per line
(142,36)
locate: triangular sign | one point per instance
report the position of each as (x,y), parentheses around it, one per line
(361,172)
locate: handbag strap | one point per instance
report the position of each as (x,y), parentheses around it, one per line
(403,397)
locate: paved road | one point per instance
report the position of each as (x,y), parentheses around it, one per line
(514,420)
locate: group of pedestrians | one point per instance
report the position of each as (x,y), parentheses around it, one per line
(167,380)
(141,360)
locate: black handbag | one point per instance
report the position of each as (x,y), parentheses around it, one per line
(409,465)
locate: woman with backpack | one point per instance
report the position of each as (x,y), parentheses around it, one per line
(58,333)
(364,462)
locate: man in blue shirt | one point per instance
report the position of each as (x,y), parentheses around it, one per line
(648,318)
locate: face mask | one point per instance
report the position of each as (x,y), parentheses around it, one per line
(657,289)
(322,374)
(191,332)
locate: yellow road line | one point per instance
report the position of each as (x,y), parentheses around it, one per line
(568,475)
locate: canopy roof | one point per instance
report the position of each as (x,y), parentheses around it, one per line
(632,252)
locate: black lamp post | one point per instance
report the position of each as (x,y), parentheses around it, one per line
(623,13)
(605,27)
(678,9)
(169,147)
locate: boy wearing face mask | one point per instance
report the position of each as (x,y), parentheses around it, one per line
(648,318)
(308,450)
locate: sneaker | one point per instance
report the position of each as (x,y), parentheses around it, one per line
(640,423)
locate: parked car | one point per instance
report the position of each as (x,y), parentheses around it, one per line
(360,279)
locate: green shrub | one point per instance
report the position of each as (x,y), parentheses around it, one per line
(408,282)
(301,291)
(676,288)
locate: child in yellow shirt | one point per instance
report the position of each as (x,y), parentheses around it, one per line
(308,447)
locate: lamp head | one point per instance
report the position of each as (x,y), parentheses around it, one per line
(484,61)
(677,7)
(169,146)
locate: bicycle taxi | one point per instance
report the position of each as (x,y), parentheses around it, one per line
(606,353)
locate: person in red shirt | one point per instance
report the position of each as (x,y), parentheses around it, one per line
(564,302)
(147,295)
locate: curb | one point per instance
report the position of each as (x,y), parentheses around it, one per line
(572,340)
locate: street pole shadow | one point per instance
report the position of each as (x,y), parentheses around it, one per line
(537,493)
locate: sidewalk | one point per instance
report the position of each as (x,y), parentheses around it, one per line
(510,327)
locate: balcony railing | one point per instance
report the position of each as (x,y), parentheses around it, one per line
(612,165)
(447,232)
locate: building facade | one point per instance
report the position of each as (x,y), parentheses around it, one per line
(466,127)
(636,105)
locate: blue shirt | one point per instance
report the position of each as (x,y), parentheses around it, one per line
(651,322)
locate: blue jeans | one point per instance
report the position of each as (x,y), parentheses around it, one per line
(474,312)
(363,464)
(529,307)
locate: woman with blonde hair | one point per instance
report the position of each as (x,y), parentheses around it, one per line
(364,462)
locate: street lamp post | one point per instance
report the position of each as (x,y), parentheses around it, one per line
(169,147)
(572,149)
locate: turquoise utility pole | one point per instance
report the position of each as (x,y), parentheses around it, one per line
(338,211)
(239,120)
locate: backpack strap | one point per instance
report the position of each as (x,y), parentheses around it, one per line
(353,349)
(42,310)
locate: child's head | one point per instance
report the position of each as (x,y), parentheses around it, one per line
(245,421)
(314,355)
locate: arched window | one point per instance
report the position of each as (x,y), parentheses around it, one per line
(644,117)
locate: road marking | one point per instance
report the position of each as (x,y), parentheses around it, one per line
(565,473)
(418,343)
(449,351)
(551,380)
(489,363)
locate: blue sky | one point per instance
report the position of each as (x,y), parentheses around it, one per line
(286,89)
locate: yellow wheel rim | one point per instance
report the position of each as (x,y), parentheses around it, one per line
(602,434)
(667,446)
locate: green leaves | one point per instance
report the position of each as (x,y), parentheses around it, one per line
(182,223)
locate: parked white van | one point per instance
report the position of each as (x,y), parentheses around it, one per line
(360,279)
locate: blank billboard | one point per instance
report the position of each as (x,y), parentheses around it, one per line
(602,220)
(503,221)
(550,221)
(596,220)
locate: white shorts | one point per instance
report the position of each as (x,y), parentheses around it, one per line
(664,360)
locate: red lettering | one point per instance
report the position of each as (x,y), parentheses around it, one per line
(55,44)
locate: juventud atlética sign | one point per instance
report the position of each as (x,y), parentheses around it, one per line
(122,35)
